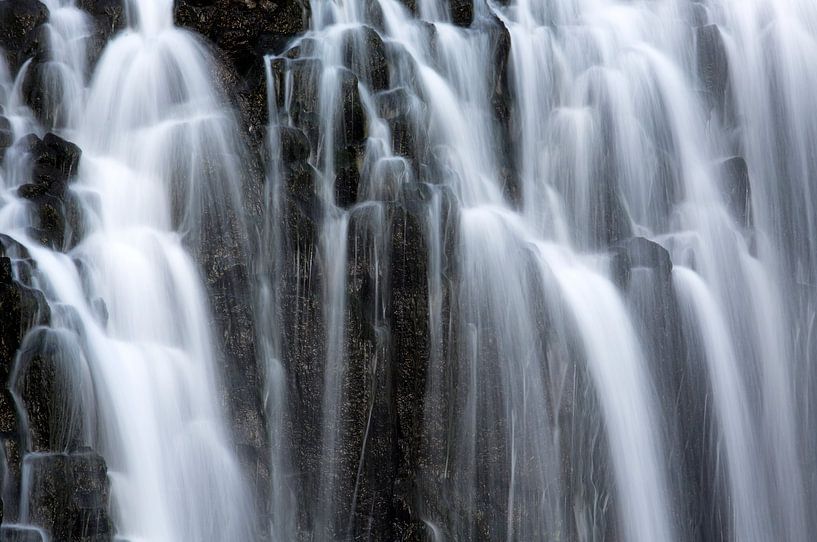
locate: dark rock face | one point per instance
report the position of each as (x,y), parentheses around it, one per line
(108,17)
(410,356)
(54,164)
(68,495)
(737,188)
(301,278)
(47,380)
(349,141)
(639,252)
(462,12)
(22,309)
(6,135)
(365,54)
(238,27)
(243,31)
(294,145)
(405,115)
(44,78)
(500,102)
(20,37)
(10,533)
(713,67)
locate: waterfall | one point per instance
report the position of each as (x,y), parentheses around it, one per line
(159,178)
(566,154)
(408,270)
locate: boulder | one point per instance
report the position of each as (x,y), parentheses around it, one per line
(19,24)
(6,135)
(365,55)
(58,212)
(462,12)
(713,67)
(639,252)
(737,188)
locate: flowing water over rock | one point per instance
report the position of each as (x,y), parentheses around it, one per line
(408,270)
(129,340)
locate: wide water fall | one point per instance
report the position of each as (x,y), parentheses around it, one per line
(408,270)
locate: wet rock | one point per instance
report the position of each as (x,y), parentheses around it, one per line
(69,495)
(411,349)
(366,410)
(347,175)
(305,105)
(350,134)
(299,179)
(713,66)
(6,135)
(113,11)
(236,26)
(462,12)
(54,163)
(351,122)
(55,160)
(639,252)
(19,533)
(300,285)
(365,55)
(410,5)
(48,379)
(734,175)
(13,249)
(22,308)
(108,17)
(294,144)
(6,276)
(406,115)
(8,413)
(587,473)
(243,31)
(42,89)
(302,48)
(12,466)
(404,67)
(387,179)
(19,38)
(275,43)
(501,49)
(500,103)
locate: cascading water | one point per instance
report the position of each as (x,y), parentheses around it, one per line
(575,385)
(129,309)
(519,270)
